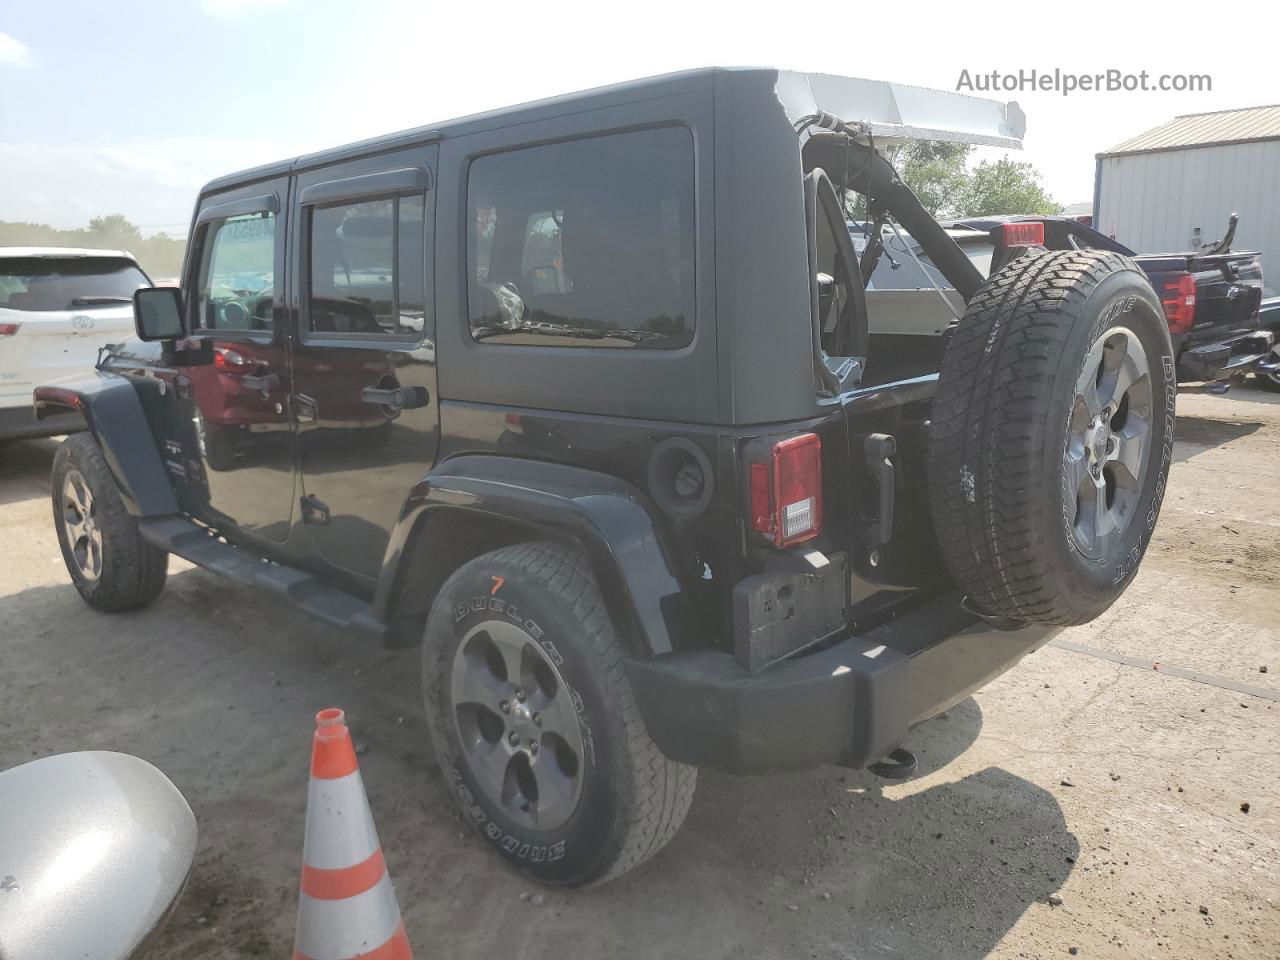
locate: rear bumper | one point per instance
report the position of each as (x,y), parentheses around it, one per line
(1240,353)
(849,704)
(21,422)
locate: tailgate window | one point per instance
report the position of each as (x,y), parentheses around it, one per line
(68,283)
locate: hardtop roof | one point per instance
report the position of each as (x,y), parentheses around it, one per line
(890,111)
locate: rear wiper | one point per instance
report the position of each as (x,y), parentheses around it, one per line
(90,301)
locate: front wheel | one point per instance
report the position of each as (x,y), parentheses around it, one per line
(111,565)
(534,722)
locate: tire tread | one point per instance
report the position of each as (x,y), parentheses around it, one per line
(989,429)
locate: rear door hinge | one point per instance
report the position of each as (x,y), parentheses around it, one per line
(314,511)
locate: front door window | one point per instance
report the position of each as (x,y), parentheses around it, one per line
(239,415)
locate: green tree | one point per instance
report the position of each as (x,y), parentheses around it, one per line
(939,175)
(1003,187)
(935,171)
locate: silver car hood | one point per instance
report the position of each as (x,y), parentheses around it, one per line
(94,851)
(895,112)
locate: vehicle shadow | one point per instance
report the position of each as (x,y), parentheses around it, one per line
(1249,391)
(1196,435)
(851,865)
(217,685)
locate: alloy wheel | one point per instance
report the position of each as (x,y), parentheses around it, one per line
(1108,446)
(80,522)
(517,722)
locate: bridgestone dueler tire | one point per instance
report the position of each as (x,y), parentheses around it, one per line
(633,798)
(133,570)
(997,487)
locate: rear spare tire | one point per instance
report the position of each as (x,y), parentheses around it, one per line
(1052,434)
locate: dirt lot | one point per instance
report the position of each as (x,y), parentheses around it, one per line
(1084,774)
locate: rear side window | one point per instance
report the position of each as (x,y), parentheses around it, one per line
(368,267)
(70,283)
(235,289)
(584,243)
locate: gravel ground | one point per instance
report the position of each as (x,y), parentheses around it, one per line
(1084,800)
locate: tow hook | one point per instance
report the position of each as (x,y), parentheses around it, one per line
(898,765)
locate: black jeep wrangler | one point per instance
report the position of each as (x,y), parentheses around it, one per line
(582,395)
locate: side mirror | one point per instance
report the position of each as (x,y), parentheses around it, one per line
(157,313)
(95,851)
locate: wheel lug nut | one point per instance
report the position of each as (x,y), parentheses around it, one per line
(504,706)
(537,719)
(533,746)
(514,739)
(520,695)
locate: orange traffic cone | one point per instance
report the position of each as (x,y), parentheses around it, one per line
(347,909)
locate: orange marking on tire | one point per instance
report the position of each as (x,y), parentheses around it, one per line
(497,584)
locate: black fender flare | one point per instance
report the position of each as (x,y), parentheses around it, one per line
(606,515)
(114,416)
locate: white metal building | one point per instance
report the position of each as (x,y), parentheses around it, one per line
(1172,188)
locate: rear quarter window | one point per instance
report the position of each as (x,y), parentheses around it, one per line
(584,243)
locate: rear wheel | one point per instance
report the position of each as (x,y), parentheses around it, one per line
(1052,436)
(112,567)
(534,722)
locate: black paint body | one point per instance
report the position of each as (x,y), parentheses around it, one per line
(507,443)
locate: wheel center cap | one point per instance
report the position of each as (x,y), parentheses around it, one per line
(1098,439)
(522,722)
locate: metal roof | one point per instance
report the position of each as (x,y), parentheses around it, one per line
(890,112)
(1204,130)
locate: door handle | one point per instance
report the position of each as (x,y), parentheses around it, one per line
(396,398)
(264,384)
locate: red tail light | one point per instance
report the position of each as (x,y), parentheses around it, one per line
(229,360)
(1179,299)
(786,491)
(9,329)
(1024,234)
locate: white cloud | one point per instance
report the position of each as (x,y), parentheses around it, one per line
(234,8)
(13,51)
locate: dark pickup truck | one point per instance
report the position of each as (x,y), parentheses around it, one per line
(1211,297)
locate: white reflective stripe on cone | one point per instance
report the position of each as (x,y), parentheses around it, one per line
(340,929)
(340,831)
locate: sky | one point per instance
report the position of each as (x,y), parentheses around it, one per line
(130,106)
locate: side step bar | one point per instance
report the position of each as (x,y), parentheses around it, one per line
(202,547)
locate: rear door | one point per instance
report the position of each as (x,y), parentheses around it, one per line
(55,313)
(364,397)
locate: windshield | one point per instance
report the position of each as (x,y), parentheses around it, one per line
(54,283)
